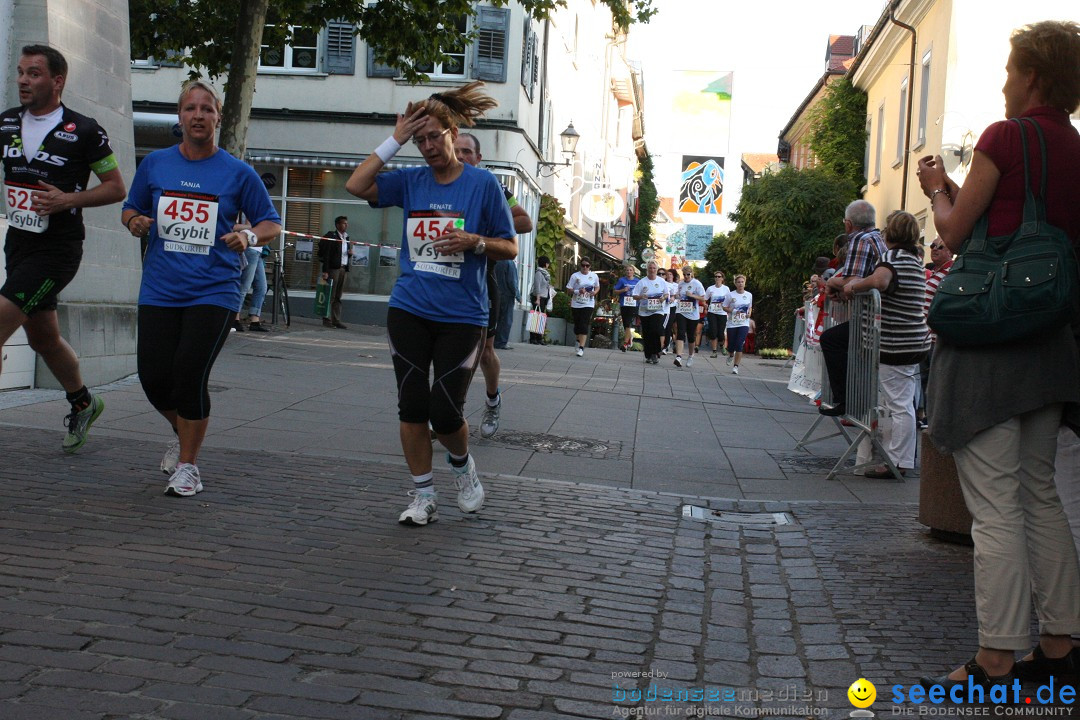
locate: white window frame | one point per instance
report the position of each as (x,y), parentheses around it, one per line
(901,123)
(924,98)
(866,147)
(287,65)
(437,73)
(880,142)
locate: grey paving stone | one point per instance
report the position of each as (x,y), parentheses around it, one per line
(780,666)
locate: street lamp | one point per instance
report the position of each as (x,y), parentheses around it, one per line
(616,231)
(569,139)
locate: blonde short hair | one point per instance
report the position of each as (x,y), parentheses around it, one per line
(198,84)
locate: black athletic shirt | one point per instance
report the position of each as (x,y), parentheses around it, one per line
(68,153)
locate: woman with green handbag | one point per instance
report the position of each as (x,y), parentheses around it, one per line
(997,416)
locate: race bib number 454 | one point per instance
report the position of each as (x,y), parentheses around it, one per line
(189,218)
(18,207)
(424,227)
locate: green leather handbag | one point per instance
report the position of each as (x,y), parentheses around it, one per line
(1002,289)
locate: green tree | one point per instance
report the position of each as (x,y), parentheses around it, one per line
(785,221)
(224,37)
(550,228)
(839,135)
(717,258)
(641,224)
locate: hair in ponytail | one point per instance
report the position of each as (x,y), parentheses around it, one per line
(460,106)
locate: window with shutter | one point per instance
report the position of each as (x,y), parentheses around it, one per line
(489,51)
(535,62)
(527,60)
(376,69)
(453,67)
(340,46)
(300,55)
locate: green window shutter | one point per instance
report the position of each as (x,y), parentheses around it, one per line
(528,59)
(489,50)
(375,69)
(340,55)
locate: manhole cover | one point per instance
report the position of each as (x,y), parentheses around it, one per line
(542,442)
(803,463)
(762,519)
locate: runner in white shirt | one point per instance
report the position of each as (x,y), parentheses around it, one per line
(688,315)
(651,293)
(740,306)
(670,330)
(583,286)
(715,296)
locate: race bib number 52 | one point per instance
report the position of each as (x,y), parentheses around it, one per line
(424,227)
(18,206)
(187,218)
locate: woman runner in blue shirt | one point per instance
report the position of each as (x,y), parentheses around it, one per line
(456,217)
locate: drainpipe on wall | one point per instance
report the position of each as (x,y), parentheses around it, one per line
(910,101)
(542,90)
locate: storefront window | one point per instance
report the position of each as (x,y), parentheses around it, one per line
(310,199)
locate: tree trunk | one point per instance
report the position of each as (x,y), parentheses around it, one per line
(243,70)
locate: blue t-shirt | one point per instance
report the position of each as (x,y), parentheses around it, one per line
(193,203)
(627,299)
(444,288)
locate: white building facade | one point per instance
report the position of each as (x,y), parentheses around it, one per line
(322,104)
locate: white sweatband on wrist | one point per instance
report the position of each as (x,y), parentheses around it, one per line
(388,149)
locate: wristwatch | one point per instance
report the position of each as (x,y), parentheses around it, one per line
(252,238)
(480,247)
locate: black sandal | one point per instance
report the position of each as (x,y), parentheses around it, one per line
(976,672)
(1041,668)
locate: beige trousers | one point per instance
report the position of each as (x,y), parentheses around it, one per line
(1023,547)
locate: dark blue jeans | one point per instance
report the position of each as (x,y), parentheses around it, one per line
(506,319)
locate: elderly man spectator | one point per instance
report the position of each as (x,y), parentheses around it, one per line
(865,250)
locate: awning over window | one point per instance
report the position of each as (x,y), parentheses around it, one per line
(324,162)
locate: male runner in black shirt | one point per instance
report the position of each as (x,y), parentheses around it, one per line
(48,153)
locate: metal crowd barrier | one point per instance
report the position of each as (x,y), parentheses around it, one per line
(861,402)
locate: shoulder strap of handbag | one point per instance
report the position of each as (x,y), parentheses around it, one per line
(1034,205)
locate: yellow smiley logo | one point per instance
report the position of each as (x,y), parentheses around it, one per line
(862,693)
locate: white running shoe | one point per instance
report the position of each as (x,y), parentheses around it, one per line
(735,370)
(678,361)
(664,351)
(423,509)
(580,351)
(730,359)
(172,457)
(713,355)
(489,423)
(185,481)
(690,361)
(470,496)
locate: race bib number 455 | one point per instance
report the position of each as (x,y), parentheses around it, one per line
(18,207)
(424,227)
(188,218)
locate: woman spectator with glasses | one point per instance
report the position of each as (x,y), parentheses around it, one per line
(942,259)
(583,286)
(456,217)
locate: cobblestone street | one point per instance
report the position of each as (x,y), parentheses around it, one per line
(288,590)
